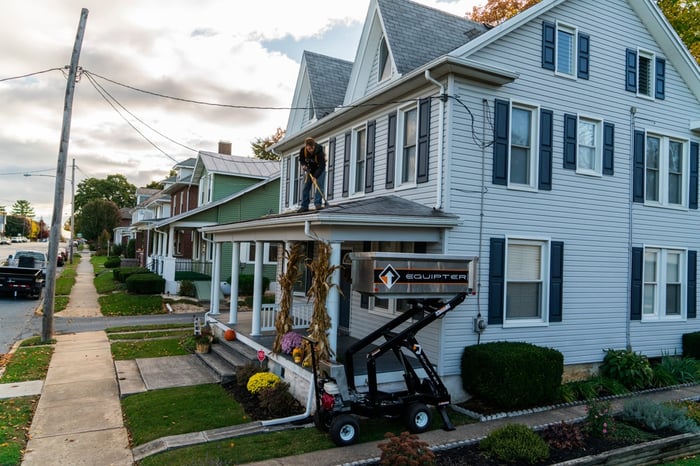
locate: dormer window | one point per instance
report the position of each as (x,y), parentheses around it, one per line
(384,62)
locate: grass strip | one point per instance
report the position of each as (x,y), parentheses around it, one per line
(122,304)
(15,419)
(126,350)
(28,363)
(172,411)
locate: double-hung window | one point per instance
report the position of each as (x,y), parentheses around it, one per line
(566,50)
(664,284)
(589,151)
(526,289)
(666,169)
(359,158)
(409,145)
(523,154)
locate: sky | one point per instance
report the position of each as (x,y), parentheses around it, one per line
(213,51)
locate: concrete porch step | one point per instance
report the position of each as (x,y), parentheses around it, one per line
(225,356)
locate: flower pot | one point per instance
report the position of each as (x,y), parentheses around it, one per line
(202,347)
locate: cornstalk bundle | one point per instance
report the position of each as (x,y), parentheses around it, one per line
(283,321)
(320,287)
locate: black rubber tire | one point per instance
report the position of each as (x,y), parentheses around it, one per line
(418,418)
(344,430)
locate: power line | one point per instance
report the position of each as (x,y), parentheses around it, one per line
(30,74)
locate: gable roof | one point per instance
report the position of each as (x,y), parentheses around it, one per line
(417,33)
(234,165)
(328,80)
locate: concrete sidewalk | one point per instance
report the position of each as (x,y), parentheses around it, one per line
(78,420)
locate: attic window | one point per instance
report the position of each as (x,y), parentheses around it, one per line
(384,62)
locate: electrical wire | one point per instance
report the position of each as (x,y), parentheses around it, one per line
(30,74)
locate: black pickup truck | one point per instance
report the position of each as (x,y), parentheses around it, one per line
(21,281)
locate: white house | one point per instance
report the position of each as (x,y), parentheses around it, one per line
(560,147)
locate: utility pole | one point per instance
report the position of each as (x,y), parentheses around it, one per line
(55,232)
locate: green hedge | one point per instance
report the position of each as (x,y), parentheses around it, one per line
(145,283)
(121,274)
(112,262)
(191,276)
(512,375)
(691,345)
(245,284)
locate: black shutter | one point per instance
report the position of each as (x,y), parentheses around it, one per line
(546,127)
(391,152)
(660,90)
(584,59)
(556,281)
(287,181)
(369,157)
(548,31)
(500,144)
(331,168)
(631,70)
(346,164)
(497,276)
(570,125)
(364,297)
(692,284)
(693,191)
(638,181)
(423,140)
(608,149)
(636,286)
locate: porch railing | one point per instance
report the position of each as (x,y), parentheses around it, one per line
(300,313)
(188,265)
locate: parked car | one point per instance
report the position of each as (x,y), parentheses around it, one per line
(5,241)
(29,259)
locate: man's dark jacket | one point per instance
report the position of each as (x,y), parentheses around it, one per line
(314,163)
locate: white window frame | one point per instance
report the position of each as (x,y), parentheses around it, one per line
(206,185)
(597,168)
(651,57)
(657,280)
(544,246)
(534,147)
(357,164)
(573,49)
(400,179)
(247,253)
(664,174)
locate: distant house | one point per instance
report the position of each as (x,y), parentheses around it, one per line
(210,189)
(560,147)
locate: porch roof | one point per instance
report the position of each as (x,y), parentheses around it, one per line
(384,218)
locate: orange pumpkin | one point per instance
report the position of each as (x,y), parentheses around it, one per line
(230,335)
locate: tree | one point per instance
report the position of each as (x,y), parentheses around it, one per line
(261,146)
(23,208)
(155,185)
(114,188)
(16,225)
(95,217)
(684,16)
(497,11)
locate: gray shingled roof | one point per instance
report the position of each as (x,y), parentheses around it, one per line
(418,34)
(237,165)
(187,162)
(329,79)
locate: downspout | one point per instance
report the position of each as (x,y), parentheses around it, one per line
(298,417)
(441,131)
(204,238)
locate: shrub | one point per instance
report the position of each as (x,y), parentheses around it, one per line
(691,345)
(404,450)
(290,340)
(187,288)
(673,370)
(512,375)
(659,416)
(130,249)
(112,262)
(261,380)
(117,249)
(564,436)
(245,372)
(599,419)
(193,276)
(592,388)
(145,283)
(631,369)
(122,273)
(278,402)
(245,284)
(515,442)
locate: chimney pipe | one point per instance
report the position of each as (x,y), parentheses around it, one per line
(225,147)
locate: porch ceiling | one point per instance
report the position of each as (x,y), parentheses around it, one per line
(386,218)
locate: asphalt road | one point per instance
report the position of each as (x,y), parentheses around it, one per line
(16,320)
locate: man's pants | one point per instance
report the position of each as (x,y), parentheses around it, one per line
(306,190)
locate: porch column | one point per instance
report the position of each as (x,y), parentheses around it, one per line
(235,272)
(257,288)
(171,241)
(333,298)
(215,279)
